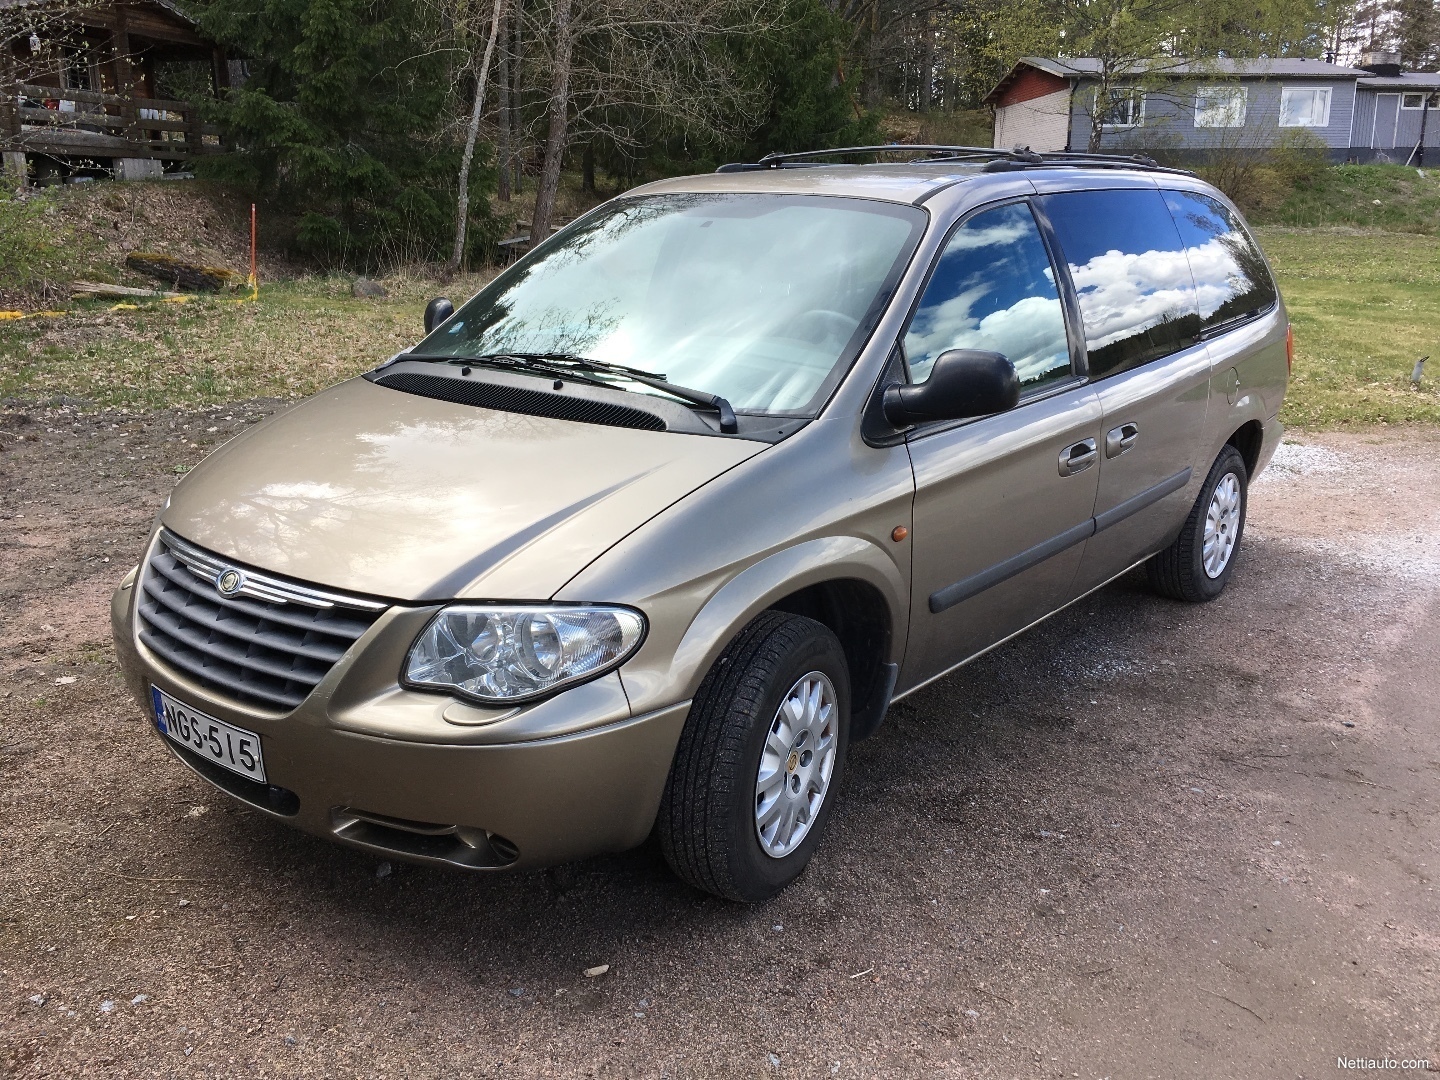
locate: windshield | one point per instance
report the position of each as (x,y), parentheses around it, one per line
(763,300)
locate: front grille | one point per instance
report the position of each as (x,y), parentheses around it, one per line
(518,400)
(269,643)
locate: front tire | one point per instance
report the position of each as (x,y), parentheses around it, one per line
(759,760)
(1197,566)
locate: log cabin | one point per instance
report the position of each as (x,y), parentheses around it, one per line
(109,89)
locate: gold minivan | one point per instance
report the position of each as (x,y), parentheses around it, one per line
(641,537)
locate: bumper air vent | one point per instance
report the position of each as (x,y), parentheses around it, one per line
(458,845)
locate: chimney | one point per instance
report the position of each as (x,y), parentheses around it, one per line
(1381,62)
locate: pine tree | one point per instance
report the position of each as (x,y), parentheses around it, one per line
(342,123)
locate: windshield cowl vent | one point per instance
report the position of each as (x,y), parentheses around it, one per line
(515,399)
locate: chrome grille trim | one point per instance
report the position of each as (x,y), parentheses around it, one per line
(268,647)
(209,567)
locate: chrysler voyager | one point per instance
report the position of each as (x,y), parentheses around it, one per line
(641,537)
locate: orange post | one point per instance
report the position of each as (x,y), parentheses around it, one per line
(254,277)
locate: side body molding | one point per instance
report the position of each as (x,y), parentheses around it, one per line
(948,597)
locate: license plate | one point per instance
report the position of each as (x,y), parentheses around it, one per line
(226,745)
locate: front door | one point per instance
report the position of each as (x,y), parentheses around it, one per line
(1003,504)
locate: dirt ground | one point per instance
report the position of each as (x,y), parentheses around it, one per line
(1146,840)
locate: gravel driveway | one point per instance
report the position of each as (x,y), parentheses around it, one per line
(1146,840)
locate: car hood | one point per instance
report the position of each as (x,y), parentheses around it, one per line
(370,490)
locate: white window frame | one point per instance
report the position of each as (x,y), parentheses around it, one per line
(1137,100)
(1420,96)
(1327,94)
(1220,106)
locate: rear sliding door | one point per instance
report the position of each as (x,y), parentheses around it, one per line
(1146,362)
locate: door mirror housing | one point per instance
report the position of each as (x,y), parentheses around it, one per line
(963,383)
(436,312)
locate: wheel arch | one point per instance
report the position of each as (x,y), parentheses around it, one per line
(846,583)
(855,612)
(1248,438)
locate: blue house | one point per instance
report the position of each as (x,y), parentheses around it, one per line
(1374,112)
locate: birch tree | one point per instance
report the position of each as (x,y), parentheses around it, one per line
(620,70)
(467,156)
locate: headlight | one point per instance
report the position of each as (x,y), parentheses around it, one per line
(510,654)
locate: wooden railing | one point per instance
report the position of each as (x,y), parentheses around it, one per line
(46,118)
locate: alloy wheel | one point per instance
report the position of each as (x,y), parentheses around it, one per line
(1222,526)
(796,764)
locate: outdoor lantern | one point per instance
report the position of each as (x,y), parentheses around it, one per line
(34,42)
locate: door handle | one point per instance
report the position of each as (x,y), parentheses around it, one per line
(1120,439)
(1078,457)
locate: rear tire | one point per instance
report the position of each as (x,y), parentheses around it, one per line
(1197,566)
(759,760)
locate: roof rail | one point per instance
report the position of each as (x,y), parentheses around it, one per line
(996,160)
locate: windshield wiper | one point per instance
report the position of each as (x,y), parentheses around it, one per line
(558,362)
(519,362)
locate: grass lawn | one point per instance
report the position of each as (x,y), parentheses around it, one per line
(1364,305)
(1389,197)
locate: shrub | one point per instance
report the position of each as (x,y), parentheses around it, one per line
(1259,180)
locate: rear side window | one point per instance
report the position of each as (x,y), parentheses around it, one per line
(1137,298)
(993,288)
(1232,281)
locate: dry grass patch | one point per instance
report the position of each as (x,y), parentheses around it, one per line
(299,337)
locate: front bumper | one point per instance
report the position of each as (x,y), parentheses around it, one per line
(425,778)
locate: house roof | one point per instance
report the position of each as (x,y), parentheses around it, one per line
(167,5)
(1079,67)
(1410,80)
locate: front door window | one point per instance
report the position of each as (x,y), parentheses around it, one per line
(993,288)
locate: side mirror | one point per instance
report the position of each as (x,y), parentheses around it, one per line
(436,312)
(963,383)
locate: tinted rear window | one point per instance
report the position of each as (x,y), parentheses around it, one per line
(1125,255)
(1232,281)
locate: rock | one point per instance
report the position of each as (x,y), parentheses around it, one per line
(383,870)
(368,288)
(592,972)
